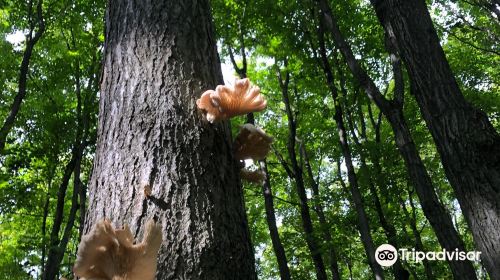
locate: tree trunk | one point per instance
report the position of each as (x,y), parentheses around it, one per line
(297,175)
(31,41)
(159,57)
(45,215)
(468,144)
(52,266)
(412,220)
(267,191)
(363,222)
(435,212)
(279,251)
(58,245)
(389,229)
(318,208)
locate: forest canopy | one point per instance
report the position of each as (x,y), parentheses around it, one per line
(385,119)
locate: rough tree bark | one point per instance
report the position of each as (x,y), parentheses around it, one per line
(159,57)
(468,144)
(434,211)
(31,41)
(362,218)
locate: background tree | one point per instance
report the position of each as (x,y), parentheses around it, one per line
(36,27)
(466,140)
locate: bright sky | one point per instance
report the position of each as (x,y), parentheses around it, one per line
(228,73)
(15,38)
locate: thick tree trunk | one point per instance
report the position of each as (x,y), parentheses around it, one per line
(435,212)
(159,57)
(297,175)
(363,222)
(468,144)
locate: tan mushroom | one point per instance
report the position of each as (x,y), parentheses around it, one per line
(251,143)
(226,102)
(106,253)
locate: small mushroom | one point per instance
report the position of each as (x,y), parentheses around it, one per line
(251,143)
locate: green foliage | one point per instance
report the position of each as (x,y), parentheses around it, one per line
(261,34)
(40,144)
(273,31)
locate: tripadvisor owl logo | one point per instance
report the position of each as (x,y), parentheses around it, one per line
(386,255)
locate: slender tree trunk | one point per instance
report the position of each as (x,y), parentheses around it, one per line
(31,41)
(381,182)
(412,221)
(349,266)
(44,227)
(389,230)
(159,57)
(58,245)
(318,208)
(52,266)
(363,222)
(468,144)
(46,206)
(46,209)
(297,175)
(57,255)
(279,251)
(267,192)
(435,212)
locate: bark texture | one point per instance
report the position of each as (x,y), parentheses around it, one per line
(468,144)
(159,57)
